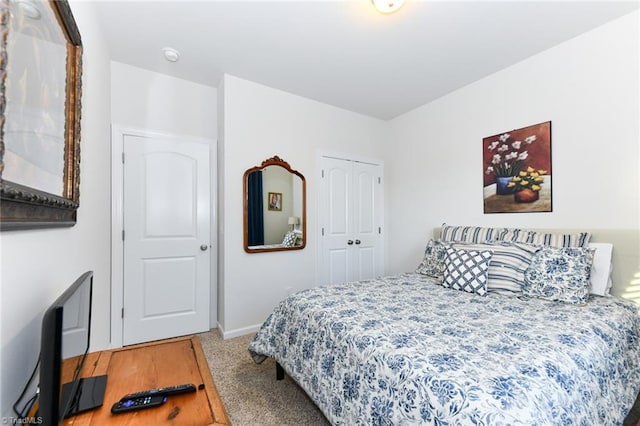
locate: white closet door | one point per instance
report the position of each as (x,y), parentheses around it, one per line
(367,227)
(351,221)
(336,223)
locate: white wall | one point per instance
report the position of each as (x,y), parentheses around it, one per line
(38,265)
(146,100)
(149,100)
(260,122)
(588,87)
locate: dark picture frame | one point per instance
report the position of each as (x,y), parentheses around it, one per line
(517,171)
(23,206)
(254,206)
(275,201)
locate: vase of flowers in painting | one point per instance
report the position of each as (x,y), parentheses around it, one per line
(526,196)
(507,158)
(526,185)
(502,185)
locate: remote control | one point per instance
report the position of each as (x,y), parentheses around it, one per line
(169,390)
(138,403)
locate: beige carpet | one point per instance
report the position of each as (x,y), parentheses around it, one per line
(250,392)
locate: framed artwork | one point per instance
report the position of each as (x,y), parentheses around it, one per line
(275,201)
(40,90)
(516,168)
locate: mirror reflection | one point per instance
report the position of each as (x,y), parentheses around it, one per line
(274,207)
(34,131)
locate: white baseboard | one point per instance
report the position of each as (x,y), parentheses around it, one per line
(239,331)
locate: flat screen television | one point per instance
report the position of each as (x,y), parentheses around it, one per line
(66,330)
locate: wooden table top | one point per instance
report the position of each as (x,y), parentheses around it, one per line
(153,365)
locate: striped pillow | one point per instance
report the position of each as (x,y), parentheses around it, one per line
(478,234)
(547,239)
(470,234)
(508,264)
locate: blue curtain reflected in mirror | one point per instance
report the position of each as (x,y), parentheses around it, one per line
(255,209)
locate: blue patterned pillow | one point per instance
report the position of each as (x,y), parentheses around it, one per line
(466,270)
(433,262)
(289,239)
(560,274)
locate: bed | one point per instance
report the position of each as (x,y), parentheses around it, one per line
(405,349)
(290,239)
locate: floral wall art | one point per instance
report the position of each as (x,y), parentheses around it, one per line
(517,170)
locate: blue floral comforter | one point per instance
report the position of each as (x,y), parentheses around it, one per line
(402,350)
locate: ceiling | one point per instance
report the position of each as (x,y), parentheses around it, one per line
(343,52)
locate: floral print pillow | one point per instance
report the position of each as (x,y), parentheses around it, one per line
(432,264)
(560,274)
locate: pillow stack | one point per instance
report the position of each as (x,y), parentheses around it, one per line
(512,261)
(508,264)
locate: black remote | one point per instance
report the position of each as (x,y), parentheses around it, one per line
(138,403)
(169,390)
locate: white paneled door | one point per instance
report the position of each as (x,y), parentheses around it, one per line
(166,204)
(351,206)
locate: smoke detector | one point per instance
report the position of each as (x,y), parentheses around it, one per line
(171,54)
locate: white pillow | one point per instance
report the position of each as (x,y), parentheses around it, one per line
(601,269)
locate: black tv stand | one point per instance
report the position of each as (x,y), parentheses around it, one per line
(90,395)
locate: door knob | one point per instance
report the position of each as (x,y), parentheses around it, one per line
(204,247)
(350,242)
(358,241)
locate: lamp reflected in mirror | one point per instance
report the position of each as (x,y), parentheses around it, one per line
(293,221)
(274,207)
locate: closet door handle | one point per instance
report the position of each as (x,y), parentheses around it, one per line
(350,242)
(358,241)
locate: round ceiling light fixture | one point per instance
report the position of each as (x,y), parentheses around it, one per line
(387,6)
(171,54)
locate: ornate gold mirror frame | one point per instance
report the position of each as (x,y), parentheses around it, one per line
(281,207)
(46,31)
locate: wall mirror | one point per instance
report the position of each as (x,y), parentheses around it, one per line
(40,88)
(275,217)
